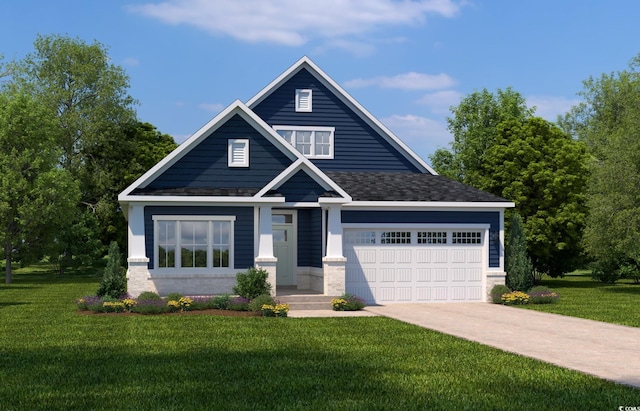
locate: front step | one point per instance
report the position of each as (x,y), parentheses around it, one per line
(306,302)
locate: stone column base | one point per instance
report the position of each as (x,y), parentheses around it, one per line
(269,265)
(494,278)
(334,275)
(138,277)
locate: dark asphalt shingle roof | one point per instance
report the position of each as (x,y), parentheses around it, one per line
(390,186)
(197,191)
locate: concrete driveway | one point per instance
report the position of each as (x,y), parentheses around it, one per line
(605,350)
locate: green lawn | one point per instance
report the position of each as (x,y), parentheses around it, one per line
(580,296)
(53,358)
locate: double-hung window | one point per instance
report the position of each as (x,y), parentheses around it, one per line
(311,141)
(193,242)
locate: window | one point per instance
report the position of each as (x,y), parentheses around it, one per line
(360,237)
(312,142)
(395,237)
(466,237)
(303,100)
(238,152)
(201,242)
(432,237)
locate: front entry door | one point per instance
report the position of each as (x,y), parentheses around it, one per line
(284,249)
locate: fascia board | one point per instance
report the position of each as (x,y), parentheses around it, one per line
(394,205)
(346,98)
(198,200)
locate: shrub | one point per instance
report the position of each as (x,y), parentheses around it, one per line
(238,304)
(630,272)
(201,303)
(85,303)
(113,307)
(149,296)
(347,302)
(543,295)
(517,262)
(221,302)
(173,305)
(497,291)
(605,271)
(252,283)
(174,296)
(515,298)
(256,304)
(338,304)
(150,307)
(275,310)
(114,279)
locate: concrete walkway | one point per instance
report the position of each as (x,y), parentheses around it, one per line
(604,350)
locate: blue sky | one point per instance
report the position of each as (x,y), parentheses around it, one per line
(406,62)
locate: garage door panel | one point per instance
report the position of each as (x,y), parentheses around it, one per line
(419,270)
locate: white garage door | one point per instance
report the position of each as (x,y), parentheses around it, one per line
(402,265)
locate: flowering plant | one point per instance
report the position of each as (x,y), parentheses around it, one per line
(173,305)
(129,302)
(515,298)
(113,306)
(338,304)
(543,295)
(347,302)
(275,310)
(185,303)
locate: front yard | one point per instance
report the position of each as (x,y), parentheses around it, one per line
(53,358)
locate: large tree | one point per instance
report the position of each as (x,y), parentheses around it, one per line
(544,171)
(608,121)
(474,128)
(36,195)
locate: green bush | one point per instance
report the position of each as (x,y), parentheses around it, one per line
(252,283)
(149,296)
(543,295)
(605,271)
(221,302)
(256,304)
(630,272)
(517,262)
(238,304)
(497,291)
(174,297)
(114,279)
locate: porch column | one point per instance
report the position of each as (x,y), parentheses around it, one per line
(265,259)
(138,276)
(334,262)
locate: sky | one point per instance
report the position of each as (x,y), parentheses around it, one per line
(406,61)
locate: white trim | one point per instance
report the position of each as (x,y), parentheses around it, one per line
(197,200)
(193,217)
(306,63)
(417,226)
(313,129)
(238,152)
(300,101)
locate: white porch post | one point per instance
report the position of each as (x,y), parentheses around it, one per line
(265,259)
(138,277)
(334,262)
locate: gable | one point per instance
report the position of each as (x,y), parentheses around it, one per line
(206,164)
(358,146)
(301,187)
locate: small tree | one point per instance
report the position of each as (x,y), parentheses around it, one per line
(518,264)
(114,280)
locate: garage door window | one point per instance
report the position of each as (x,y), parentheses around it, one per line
(395,237)
(432,237)
(360,237)
(466,237)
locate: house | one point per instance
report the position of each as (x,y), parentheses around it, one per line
(304,182)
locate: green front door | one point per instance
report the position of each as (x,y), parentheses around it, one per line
(284,250)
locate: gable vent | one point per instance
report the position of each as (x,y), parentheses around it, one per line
(303,100)
(238,153)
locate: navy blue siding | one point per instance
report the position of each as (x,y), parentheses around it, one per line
(445,217)
(206,164)
(357,146)
(310,237)
(242,235)
(301,187)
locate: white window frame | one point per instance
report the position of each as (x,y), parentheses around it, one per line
(233,143)
(300,93)
(313,130)
(210,243)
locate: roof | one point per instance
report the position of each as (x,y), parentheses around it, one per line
(395,186)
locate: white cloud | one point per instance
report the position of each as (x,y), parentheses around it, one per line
(549,107)
(422,134)
(440,101)
(294,22)
(407,81)
(211,107)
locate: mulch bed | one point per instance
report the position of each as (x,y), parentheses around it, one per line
(214,312)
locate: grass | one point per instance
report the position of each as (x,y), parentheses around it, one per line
(53,358)
(580,296)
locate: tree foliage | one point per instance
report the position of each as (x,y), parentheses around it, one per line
(544,171)
(114,281)
(517,262)
(474,128)
(608,122)
(36,195)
